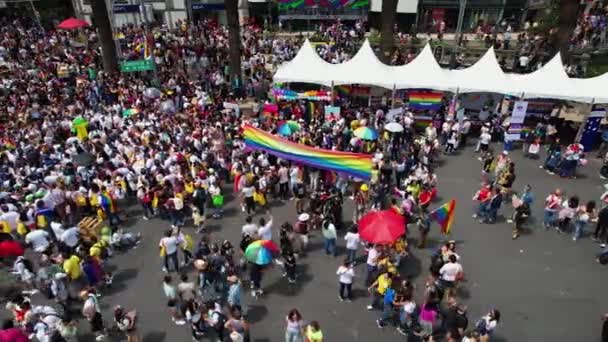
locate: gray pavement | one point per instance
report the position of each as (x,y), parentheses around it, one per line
(547,287)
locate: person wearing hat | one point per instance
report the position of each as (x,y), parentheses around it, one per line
(301,228)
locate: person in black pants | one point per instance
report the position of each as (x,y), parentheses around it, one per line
(602,227)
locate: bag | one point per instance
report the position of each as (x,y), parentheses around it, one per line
(218,201)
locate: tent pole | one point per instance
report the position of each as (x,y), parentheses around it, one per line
(393,98)
(581,128)
(452,108)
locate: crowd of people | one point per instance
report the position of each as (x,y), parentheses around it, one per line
(176,151)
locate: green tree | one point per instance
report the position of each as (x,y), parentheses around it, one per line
(234,41)
(104,29)
(387,42)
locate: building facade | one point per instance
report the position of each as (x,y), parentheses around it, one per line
(167,12)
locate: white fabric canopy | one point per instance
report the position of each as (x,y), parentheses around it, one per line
(363,68)
(550,81)
(306,67)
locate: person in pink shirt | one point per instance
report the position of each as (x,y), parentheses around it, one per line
(11,334)
(552,207)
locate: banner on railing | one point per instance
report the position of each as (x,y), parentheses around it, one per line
(348,4)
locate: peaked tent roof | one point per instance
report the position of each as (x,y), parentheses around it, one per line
(422,72)
(363,68)
(305,67)
(485,75)
(550,81)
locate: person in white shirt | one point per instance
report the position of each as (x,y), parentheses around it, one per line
(345,273)
(450,273)
(70,237)
(484,140)
(169,244)
(372,264)
(9,216)
(265,230)
(352,243)
(39,239)
(328,229)
(249,228)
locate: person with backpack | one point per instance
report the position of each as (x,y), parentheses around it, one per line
(216,319)
(92,312)
(126,322)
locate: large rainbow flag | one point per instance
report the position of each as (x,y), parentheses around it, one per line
(425,100)
(353,164)
(444,215)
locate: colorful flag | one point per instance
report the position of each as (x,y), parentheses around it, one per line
(444,215)
(427,100)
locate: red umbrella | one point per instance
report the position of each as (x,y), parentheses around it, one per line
(10,248)
(72,23)
(382,227)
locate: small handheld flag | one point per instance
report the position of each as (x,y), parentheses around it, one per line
(444,215)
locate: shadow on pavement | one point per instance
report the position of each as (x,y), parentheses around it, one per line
(154,336)
(120,281)
(255,313)
(283,288)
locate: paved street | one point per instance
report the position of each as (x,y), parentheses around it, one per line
(547,287)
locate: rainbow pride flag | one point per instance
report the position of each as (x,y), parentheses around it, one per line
(425,100)
(352,164)
(422,121)
(107,202)
(444,215)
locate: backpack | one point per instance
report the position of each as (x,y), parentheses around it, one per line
(221,321)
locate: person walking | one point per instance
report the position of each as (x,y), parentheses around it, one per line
(584,214)
(92,312)
(126,322)
(552,207)
(346,273)
(294,331)
(168,249)
(352,243)
(601,228)
(487,324)
(313,332)
(328,229)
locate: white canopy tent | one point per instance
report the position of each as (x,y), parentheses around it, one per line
(550,81)
(307,67)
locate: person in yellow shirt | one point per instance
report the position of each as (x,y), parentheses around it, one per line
(313,332)
(71,267)
(378,287)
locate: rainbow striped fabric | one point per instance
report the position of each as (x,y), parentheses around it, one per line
(425,100)
(352,164)
(444,215)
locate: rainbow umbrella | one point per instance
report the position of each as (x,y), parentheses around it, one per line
(129,112)
(288,128)
(366,133)
(261,252)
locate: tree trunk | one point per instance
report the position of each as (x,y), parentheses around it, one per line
(104,29)
(389,11)
(234,42)
(568,14)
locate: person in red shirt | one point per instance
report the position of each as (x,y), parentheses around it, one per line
(483,196)
(10,333)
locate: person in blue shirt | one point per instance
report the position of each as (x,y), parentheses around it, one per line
(387,308)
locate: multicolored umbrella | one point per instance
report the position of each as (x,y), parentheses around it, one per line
(261,252)
(366,133)
(381,227)
(129,112)
(288,128)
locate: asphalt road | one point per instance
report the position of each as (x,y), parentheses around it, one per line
(547,287)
